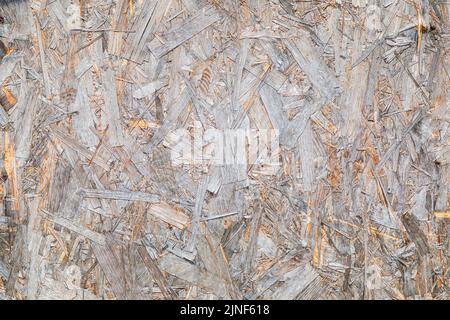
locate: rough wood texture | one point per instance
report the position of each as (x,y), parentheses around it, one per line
(339,188)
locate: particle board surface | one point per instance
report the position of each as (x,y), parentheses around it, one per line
(204,149)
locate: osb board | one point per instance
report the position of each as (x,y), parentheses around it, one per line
(355,205)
